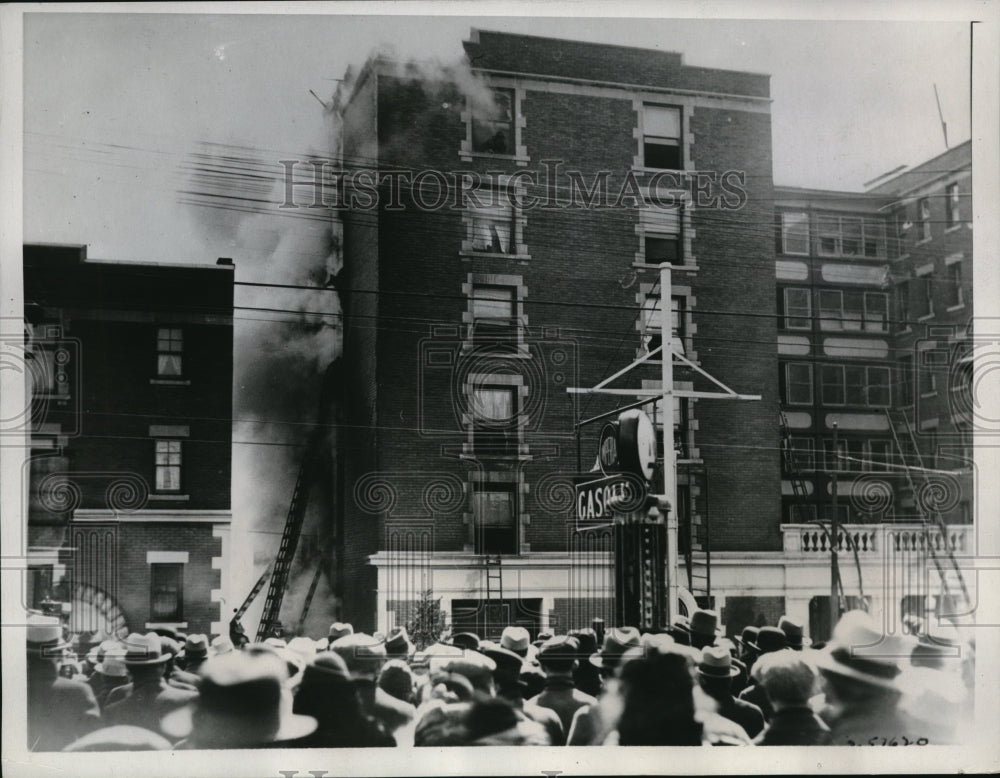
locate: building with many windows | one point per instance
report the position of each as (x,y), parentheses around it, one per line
(129,476)
(875,352)
(512,253)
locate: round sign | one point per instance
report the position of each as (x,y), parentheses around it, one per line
(636,443)
(607,452)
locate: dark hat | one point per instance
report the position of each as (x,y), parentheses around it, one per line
(396,678)
(45,635)
(243,701)
(562,648)
(769,639)
(794,632)
(508,666)
(542,637)
(398,643)
(168,632)
(587,639)
(705,623)
(338,630)
(466,640)
(617,640)
(717,662)
(680,634)
(859,650)
(749,636)
(145,650)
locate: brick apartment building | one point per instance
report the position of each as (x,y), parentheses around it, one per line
(130,468)
(464,326)
(874,299)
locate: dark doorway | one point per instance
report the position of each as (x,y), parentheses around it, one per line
(487,618)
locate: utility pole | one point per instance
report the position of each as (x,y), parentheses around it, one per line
(834,531)
(669,455)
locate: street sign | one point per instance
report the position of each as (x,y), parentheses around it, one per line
(623,491)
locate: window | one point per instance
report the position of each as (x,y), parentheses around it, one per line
(930,363)
(798,383)
(494,407)
(903,305)
(855,385)
(495,520)
(495,304)
(166,592)
(680,425)
(953,211)
(875,393)
(906,379)
(168,465)
(831,309)
(800,513)
(876,312)
(843,236)
(798,309)
(794,233)
(493,227)
(800,455)
(878,455)
(493,131)
(169,346)
(661,234)
(838,461)
(924,213)
(832,390)
(923,303)
(661,143)
(651,323)
(953,284)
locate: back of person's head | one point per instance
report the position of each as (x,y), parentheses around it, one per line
(787,679)
(558,655)
(396,679)
(657,699)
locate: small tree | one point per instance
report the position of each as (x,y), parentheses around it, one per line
(427,623)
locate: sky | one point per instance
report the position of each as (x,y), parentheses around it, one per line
(116,104)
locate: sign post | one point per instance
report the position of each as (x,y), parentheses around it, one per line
(669,455)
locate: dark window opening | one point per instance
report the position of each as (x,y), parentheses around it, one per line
(166,592)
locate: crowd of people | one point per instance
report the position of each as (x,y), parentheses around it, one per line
(687,684)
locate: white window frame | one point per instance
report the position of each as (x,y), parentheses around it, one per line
(788,229)
(519,153)
(876,321)
(662,140)
(495,203)
(867,230)
(883,461)
(924,219)
(169,346)
(953,268)
(840,384)
(172,450)
(884,371)
(788,383)
(658,222)
(788,317)
(953,206)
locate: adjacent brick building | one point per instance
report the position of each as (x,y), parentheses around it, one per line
(130,472)
(467,316)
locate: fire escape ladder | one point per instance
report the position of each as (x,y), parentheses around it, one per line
(269,621)
(791,468)
(309,598)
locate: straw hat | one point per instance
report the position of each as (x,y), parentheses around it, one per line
(45,635)
(515,639)
(145,650)
(242,702)
(859,650)
(113,664)
(617,640)
(717,662)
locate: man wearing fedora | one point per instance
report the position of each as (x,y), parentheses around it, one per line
(509,686)
(109,673)
(244,702)
(790,682)
(862,669)
(60,710)
(769,640)
(557,657)
(703,628)
(149,697)
(191,658)
(716,672)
